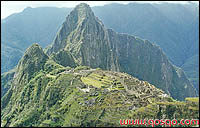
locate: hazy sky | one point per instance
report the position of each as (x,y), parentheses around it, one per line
(10,7)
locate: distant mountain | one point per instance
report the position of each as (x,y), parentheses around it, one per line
(164,24)
(21,30)
(174,27)
(192,63)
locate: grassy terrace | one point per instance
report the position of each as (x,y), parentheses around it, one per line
(91,81)
(52,76)
(96,80)
(171,103)
(101,81)
(192,99)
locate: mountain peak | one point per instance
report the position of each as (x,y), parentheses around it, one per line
(82,5)
(27,9)
(34,49)
(81,18)
(33,60)
(83,11)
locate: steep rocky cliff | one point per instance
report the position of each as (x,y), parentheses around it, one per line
(91,44)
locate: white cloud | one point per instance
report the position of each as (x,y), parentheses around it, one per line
(10,7)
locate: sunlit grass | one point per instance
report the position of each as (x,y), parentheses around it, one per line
(192,99)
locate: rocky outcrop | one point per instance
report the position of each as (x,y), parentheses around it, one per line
(64,58)
(33,61)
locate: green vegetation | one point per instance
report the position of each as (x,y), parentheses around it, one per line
(45,91)
(96,80)
(192,99)
(81,68)
(90,81)
(6,79)
(81,39)
(64,58)
(183,30)
(55,98)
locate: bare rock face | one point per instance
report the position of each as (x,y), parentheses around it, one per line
(86,38)
(91,44)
